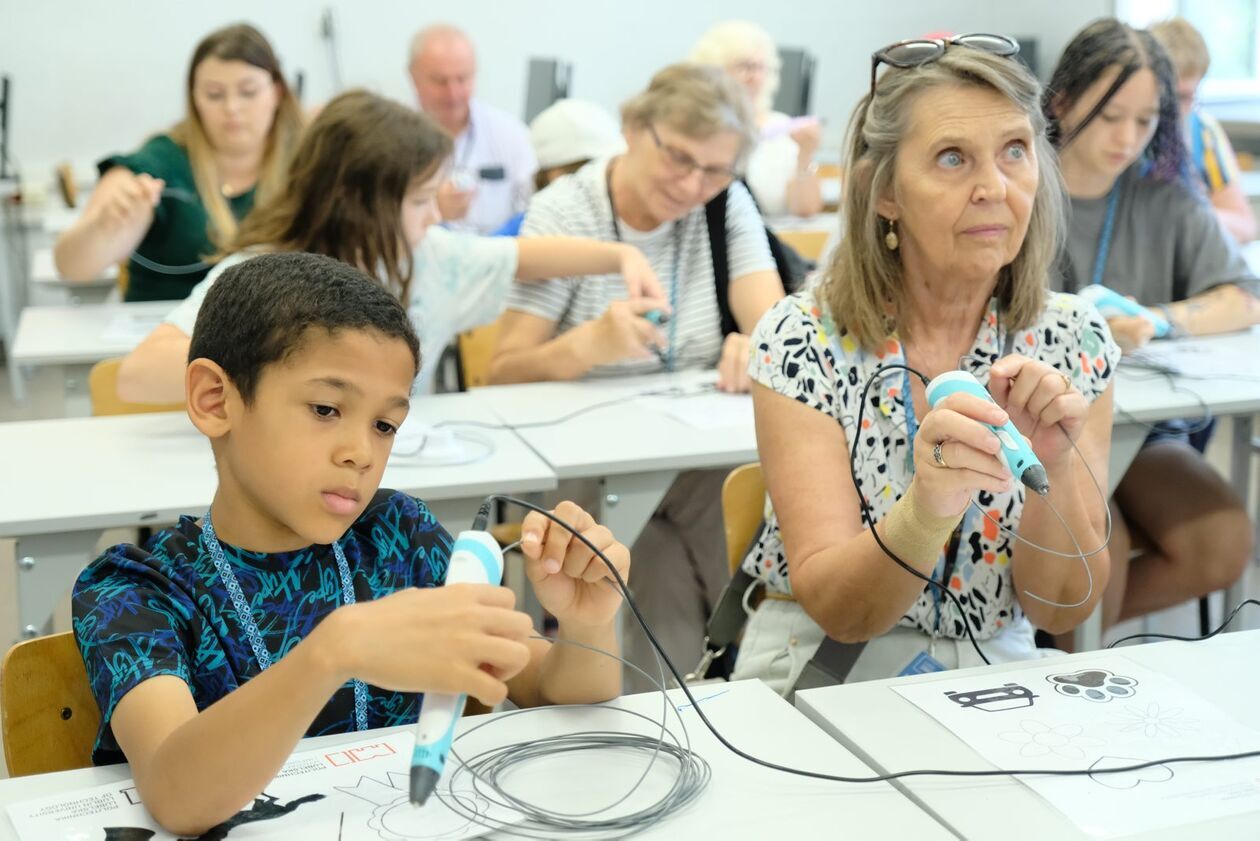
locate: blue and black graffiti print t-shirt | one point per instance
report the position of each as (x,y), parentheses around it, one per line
(165,611)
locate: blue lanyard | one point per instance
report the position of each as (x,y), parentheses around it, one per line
(246,617)
(673,275)
(1104,240)
(912,422)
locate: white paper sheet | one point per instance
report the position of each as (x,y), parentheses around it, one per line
(1210,358)
(354,792)
(714,410)
(130,328)
(1111,713)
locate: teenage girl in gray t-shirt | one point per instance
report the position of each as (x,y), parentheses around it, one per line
(1139,228)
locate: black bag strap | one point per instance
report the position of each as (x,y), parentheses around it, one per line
(791,267)
(715,219)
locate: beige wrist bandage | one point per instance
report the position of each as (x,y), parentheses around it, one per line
(913,533)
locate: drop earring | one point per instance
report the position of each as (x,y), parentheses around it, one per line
(890,239)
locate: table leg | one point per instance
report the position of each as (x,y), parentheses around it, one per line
(627,502)
(44,569)
(1240,477)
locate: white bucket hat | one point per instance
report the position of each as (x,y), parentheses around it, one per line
(572,130)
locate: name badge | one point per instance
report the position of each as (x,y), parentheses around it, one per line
(492,173)
(922,664)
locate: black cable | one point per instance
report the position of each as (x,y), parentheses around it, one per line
(1207,636)
(818,775)
(1205,419)
(878,375)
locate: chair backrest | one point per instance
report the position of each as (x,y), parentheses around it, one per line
(48,716)
(743,503)
(103,389)
(476,348)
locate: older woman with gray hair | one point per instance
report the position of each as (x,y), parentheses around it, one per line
(953,215)
(782,173)
(687,138)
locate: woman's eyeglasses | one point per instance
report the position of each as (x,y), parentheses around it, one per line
(917,52)
(682,165)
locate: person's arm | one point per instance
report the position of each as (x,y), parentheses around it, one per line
(839,575)
(804,188)
(576,587)
(154,371)
(195,770)
(1235,213)
(114,222)
(528,349)
(1038,400)
(547,257)
(1222,309)
(750,296)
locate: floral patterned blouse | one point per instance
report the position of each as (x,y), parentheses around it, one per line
(798,351)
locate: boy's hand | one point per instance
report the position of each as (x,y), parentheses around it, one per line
(571,582)
(462,638)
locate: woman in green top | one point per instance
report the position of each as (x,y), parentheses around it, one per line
(170,204)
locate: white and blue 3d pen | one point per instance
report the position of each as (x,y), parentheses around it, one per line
(1019,456)
(475,559)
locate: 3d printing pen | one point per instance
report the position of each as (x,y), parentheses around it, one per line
(1019,456)
(475,559)
(1111,304)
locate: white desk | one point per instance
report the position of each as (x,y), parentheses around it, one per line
(1143,398)
(44,270)
(742,800)
(892,734)
(633,447)
(76,337)
(66,480)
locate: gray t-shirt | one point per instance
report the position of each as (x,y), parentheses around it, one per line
(577,206)
(1167,244)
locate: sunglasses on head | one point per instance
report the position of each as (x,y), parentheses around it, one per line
(920,51)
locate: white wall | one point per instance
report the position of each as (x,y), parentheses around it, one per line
(96,76)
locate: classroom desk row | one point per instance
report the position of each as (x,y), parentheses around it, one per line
(857,730)
(632,436)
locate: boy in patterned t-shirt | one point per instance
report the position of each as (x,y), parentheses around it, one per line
(304,602)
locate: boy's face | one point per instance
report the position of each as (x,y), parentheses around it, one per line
(299,465)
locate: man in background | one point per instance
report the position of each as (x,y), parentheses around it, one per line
(493,164)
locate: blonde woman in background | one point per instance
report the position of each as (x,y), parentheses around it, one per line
(781,173)
(1211,155)
(170,204)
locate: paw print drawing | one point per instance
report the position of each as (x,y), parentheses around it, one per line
(1097,685)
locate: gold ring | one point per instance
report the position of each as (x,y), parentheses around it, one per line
(938,456)
(1067,382)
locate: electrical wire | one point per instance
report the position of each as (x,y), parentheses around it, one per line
(667,391)
(1202,423)
(491,769)
(188,197)
(662,658)
(1207,636)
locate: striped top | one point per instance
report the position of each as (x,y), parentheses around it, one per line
(577,206)
(1210,152)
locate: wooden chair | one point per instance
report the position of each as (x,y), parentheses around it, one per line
(50,717)
(103,390)
(476,347)
(743,503)
(67,186)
